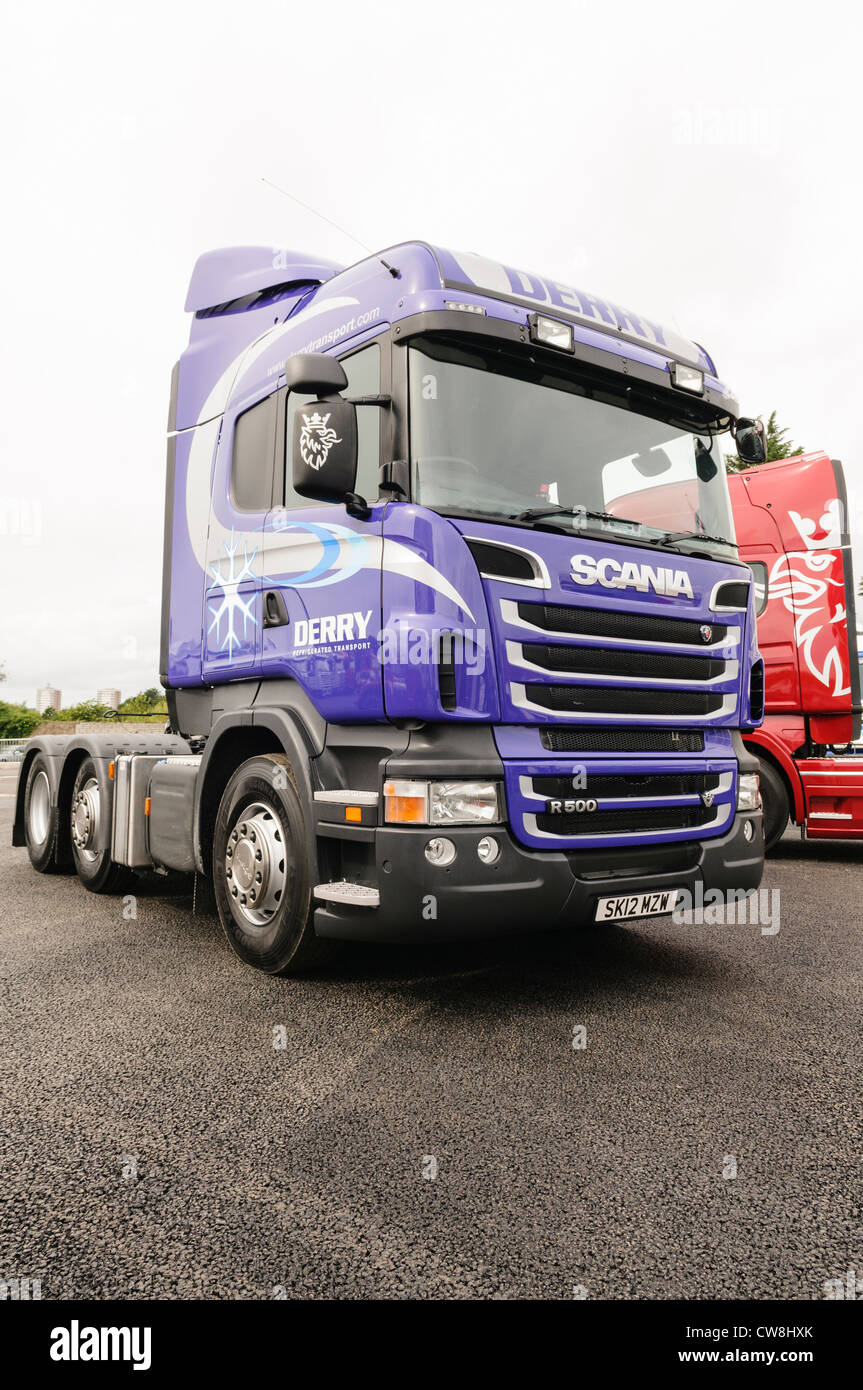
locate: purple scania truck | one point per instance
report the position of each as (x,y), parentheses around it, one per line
(455,636)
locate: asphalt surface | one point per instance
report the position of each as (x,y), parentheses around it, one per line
(145,1042)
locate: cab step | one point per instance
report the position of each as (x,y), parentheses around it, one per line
(351,894)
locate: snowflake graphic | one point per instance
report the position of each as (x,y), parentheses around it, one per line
(229,571)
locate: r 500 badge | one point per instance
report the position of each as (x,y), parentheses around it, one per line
(579,806)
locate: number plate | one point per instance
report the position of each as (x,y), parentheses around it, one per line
(635,905)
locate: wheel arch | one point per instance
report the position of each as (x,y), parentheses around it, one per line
(55,751)
(64,754)
(774,752)
(236,737)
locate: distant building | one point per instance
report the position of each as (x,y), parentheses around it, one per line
(48,698)
(108,696)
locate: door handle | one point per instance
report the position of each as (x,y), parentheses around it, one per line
(275,612)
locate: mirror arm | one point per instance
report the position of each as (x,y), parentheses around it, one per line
(394,477)
(368,400)
(357,506)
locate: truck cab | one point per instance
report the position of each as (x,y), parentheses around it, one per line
(452,601)
(792,527)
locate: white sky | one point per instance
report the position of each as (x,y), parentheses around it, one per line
(703,170)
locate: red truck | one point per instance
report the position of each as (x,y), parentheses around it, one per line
(792,527)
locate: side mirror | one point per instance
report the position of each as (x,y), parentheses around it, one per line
(324,441)
(751,439)
(324,450)
(315,374)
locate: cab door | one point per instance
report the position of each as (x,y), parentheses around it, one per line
(321,569)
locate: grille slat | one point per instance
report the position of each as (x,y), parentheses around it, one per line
(621,785)
(622,740)
(590,661)
(623,700)
(633,627)
(626,821)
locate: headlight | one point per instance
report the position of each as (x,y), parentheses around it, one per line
(748,795)
(441,803)
(463,803)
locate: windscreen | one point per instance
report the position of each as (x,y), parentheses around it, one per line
(503,436)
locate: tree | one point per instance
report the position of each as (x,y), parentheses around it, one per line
(778,447)
(150,701)
(17,721)
(86,711)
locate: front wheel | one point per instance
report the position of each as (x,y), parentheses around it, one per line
(261,871)
(774,798)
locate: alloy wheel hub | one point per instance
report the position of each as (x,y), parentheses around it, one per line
(255,871)
(85,817)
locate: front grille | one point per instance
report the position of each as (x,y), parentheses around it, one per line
(621,741)
(623,700)
(625,784)
(626,822)
(614,662)
(633,627)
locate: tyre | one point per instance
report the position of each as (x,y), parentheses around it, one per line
(94,867)
(40,817)
(262,875)
(777,807)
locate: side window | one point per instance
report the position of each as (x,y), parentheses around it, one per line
(252,457)
(759,579)
(363,371)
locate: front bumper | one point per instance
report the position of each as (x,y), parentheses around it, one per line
(527,890)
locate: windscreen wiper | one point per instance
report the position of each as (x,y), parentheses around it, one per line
(672,536)
(665,538)
(541,513)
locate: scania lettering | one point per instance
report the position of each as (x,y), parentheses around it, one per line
(445,543)
(613,575)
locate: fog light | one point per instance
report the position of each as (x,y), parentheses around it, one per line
(487,850)
(440,851)
(748,830)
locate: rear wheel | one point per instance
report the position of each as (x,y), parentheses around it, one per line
(261,871)
(40,817)
(777,807)
(93,865)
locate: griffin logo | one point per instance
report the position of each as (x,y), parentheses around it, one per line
(707,798)
(316,440)
(706,632)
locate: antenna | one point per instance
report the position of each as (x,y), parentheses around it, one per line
(315,212)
